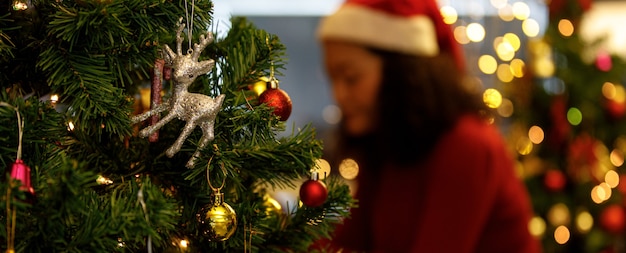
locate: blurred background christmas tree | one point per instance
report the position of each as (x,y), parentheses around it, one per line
(74,72)
(569,130)
(561,103)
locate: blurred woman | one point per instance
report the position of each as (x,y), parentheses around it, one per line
(435,173)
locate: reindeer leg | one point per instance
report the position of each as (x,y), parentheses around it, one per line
(191,124)
(156,110)
(207,135)
(151,129)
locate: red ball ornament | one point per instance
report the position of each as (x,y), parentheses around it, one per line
(613,219)
(279,100)
(554,180)
(276,98)
(313,193)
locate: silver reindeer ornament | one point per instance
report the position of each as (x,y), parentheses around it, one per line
(194,108)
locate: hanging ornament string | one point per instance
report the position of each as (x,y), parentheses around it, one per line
(208,176)
(190,23)
(11,210)
(20,127)
(272,78)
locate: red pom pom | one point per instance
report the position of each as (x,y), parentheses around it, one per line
(313,193)
(612,219)
(279,100)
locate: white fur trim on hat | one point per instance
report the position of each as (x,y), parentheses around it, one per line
(412,35)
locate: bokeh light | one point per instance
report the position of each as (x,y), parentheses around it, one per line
(524,146)
(450,15)
(600,193)
(475,32)
(512,39)
(487,64)
(506,13)
(608,90)
(561,234)
(498,3)
(322,167)
(584,221)
(611,178)
(574,116)
(559,214)
(617,157)
(505,50)
(349,169)
(517,68)
(492,98)
(331,114)
(506,109)
(460,35)
(535,134)
(566,28)
(521,10)
(504,73)
(537,226)
(530,27)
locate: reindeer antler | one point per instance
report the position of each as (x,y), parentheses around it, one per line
(179,39)
(204,41)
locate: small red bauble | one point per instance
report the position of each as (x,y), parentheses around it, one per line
(279,100)
(554,180)
(313,193)
(612,219)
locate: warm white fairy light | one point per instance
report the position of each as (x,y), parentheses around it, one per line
(530,27)
(19,6)
(475,32)
(70,126)
(54,98)
(184,243)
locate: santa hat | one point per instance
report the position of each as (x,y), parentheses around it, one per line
(413,27)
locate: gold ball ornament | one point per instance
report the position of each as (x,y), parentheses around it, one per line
(217,221)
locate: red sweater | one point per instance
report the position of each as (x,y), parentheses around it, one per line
(464,198)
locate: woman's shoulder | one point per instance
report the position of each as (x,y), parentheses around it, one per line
(474,130)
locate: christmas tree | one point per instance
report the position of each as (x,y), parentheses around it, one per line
(94,164)
(569,131)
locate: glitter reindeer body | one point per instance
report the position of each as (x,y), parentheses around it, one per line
(194,108)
